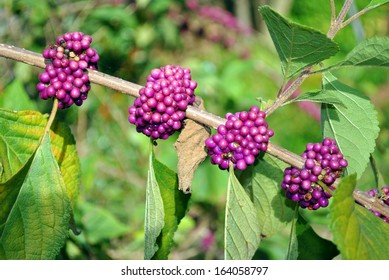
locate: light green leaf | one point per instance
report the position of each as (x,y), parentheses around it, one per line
(16,98)
(37,224)
(298,46)
(358,233)
(262,181)
(370,52)
(305,244)
(154,216)
(175,204)
(99,224)
(20,133)
(241,231)
(354,128)
(328,97)
(376,3)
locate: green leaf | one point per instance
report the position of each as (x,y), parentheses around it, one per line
(328,97)
(154,215)
(20,133)
(376,3)
(242,230)
(99,224)
(357,232)
(355,128)
(298,46)
(304,237)
(37,224)
(16,98)
(262,181)
(175,204)
(370,52)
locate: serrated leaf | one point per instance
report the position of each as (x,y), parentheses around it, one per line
(355,128)
(154,215)
(16,98)
(99,224)
(241,231)
(175,204)
(20,133)
(304,237)
(38,223)
(357,232)
(262,181)
(297,46)
(370,52)
(318,97)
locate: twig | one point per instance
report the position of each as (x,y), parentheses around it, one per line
(132,89)
(336,25)
(333,11)
(193,113)
(371,203)
(355,16)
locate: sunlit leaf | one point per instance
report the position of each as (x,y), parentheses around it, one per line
(38,221)
(298,46)
(16,98)
(20,133)
(358,233)
(262,182)
(154,215)
(242,231)
(354,127)
(175,204)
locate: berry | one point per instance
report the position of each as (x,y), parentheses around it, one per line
(323,165)
(159,110)
(384,196)
(65,76)
(240,140)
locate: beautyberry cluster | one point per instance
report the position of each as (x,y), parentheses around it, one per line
(160,108)
(240,140)
(65,76)
(385,198)
(310,186)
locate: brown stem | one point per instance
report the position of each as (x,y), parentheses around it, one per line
(193,113)
(371,203)
(286,93)
(132,89)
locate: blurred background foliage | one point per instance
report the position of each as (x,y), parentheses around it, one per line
(229,51)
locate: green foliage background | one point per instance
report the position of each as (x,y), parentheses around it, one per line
(132,38)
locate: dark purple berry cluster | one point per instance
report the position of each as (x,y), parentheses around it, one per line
(160,108)
(310,186)
(384,197)
(240,139)
(65,76)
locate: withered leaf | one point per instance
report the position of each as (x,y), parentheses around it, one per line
(190,147)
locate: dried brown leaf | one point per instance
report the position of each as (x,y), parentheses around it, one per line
(190,147)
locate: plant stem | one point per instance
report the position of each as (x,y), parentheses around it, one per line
(333,11)
(371,203)
(132,89)
(52,116)
(192,112)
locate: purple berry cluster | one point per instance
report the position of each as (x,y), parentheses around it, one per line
(240,139)
(160,108)
(384,197)
(65,76)
(309,186)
